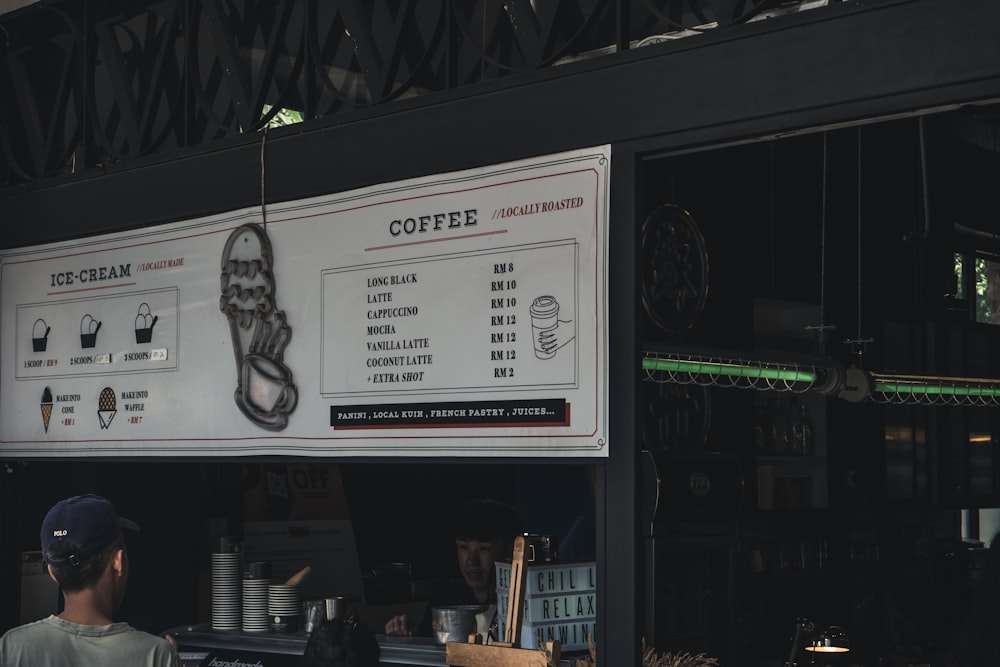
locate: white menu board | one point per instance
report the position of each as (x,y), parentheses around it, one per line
(461,314)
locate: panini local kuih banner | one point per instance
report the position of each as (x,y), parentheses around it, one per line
(461,314)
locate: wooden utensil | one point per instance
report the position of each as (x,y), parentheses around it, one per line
(297,578)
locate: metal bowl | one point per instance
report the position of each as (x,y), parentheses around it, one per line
(454,623)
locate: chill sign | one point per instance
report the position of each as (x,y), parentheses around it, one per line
(560,603)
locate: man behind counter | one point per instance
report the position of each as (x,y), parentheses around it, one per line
(84,551)
(484,532)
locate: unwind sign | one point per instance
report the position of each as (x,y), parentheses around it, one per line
(560,604)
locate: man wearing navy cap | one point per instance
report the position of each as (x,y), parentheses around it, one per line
(84,550)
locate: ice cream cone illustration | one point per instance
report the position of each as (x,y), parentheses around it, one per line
(265,392)
(46,406)
(107,407)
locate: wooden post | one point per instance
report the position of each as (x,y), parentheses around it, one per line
(507,653)
(515,601)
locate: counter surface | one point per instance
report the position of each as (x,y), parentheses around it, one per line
(201,646)
(287,649)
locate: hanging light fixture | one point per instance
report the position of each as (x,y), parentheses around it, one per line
(816,639)
(830,640)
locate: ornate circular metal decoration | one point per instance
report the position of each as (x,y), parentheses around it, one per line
(674,268)
(676,417)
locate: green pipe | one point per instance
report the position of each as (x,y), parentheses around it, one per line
(936,389)
(728,370)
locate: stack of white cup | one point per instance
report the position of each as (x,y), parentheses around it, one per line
(283,607)
(227,576)
(256,580)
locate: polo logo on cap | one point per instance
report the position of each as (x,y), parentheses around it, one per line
(59,533)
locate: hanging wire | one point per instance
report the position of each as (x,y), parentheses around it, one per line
(263,207)
(822,243)
(822,327)
(858,344)
(917,282)
(859,237)
(771,213)
(923,177)
(996,149)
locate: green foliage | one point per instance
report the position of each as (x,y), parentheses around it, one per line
(283,117)
(986,286)
(985,300)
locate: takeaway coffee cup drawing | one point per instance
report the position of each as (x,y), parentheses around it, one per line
(266,386)
(88,331)
(546,334)
(40,335)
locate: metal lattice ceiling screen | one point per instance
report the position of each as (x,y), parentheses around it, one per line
(85,83)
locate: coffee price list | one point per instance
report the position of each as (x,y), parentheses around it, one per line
(507,319)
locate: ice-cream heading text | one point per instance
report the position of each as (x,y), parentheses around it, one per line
(91,275)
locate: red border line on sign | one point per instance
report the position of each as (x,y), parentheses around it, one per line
(90,289)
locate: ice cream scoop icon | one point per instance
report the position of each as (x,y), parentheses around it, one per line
(107,407)
(88,331)
(46,406)
(40,335)
(144,323)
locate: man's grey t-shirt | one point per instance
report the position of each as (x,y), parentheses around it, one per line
(53,642)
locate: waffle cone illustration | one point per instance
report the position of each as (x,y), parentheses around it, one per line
(46,406)
(265,392)
(107,407)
